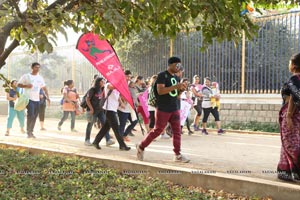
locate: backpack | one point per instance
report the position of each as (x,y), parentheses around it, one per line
(63,99)
(152,96)
(83,103)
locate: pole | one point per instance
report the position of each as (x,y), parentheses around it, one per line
(243,62)
(171,47)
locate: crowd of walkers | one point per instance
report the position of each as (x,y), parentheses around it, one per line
(169,99)
(107,109)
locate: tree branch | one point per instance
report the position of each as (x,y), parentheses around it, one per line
(4,34)
(56,3)
(5,54)
(34,4)
(15,5)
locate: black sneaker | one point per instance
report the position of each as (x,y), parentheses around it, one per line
(204,132)
(221,131)
(30,136)
(125,148)
(130,134)
(96,146)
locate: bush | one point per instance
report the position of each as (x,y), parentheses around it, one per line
(27,176)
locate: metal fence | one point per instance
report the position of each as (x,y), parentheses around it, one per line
(252,66)
(256,66)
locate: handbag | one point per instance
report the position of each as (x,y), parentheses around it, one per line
(21,102)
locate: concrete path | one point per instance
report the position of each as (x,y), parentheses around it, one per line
(232,154)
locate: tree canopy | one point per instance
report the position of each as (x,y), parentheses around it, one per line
(36,23)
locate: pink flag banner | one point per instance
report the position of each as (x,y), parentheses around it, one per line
(143,99)
(104,58)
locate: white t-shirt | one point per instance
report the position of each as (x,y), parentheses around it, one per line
(112,100)
(37,82)
(126,109)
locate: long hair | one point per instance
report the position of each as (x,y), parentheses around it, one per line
(97,83)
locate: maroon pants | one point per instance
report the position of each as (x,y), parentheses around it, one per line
(161,120)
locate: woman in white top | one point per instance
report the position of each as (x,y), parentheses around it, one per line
(111,106)
(197,97)
(208,108)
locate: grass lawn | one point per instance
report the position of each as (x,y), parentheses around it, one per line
(45,176)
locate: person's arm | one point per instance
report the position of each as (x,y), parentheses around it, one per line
(9,98)
(20,83)
(88,102)
(110,87)
(196,94)
(122,102)
(290,112)
(161,89)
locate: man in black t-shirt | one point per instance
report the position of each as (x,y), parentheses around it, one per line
(168,90)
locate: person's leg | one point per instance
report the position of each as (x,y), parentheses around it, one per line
(64,118)
(122,119)
(30,116)
(206,112)
(197,117)
(90,119)
(176,130)
(215,113)
(102,119)
(42,116)
(10,119)
(104,129)
(145,118)
(88,131)
(21,118)
(187,121)
(161,120)
(130,127)
(36,113)
(114,124)
(32,113)
(73,113)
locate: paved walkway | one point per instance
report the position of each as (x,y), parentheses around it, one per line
(249,155)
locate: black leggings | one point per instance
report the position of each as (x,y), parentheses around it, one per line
(213,111)
(42,112)
(198,107)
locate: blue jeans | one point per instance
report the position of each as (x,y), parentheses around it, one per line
(123,117)
(33,108)
(91,120)
(65,117)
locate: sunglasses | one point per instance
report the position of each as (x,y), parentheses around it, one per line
(178,65)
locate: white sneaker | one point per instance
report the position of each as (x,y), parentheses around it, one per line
(88,143)
(165,136)
(139,153)
(110,142)
(181,158)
